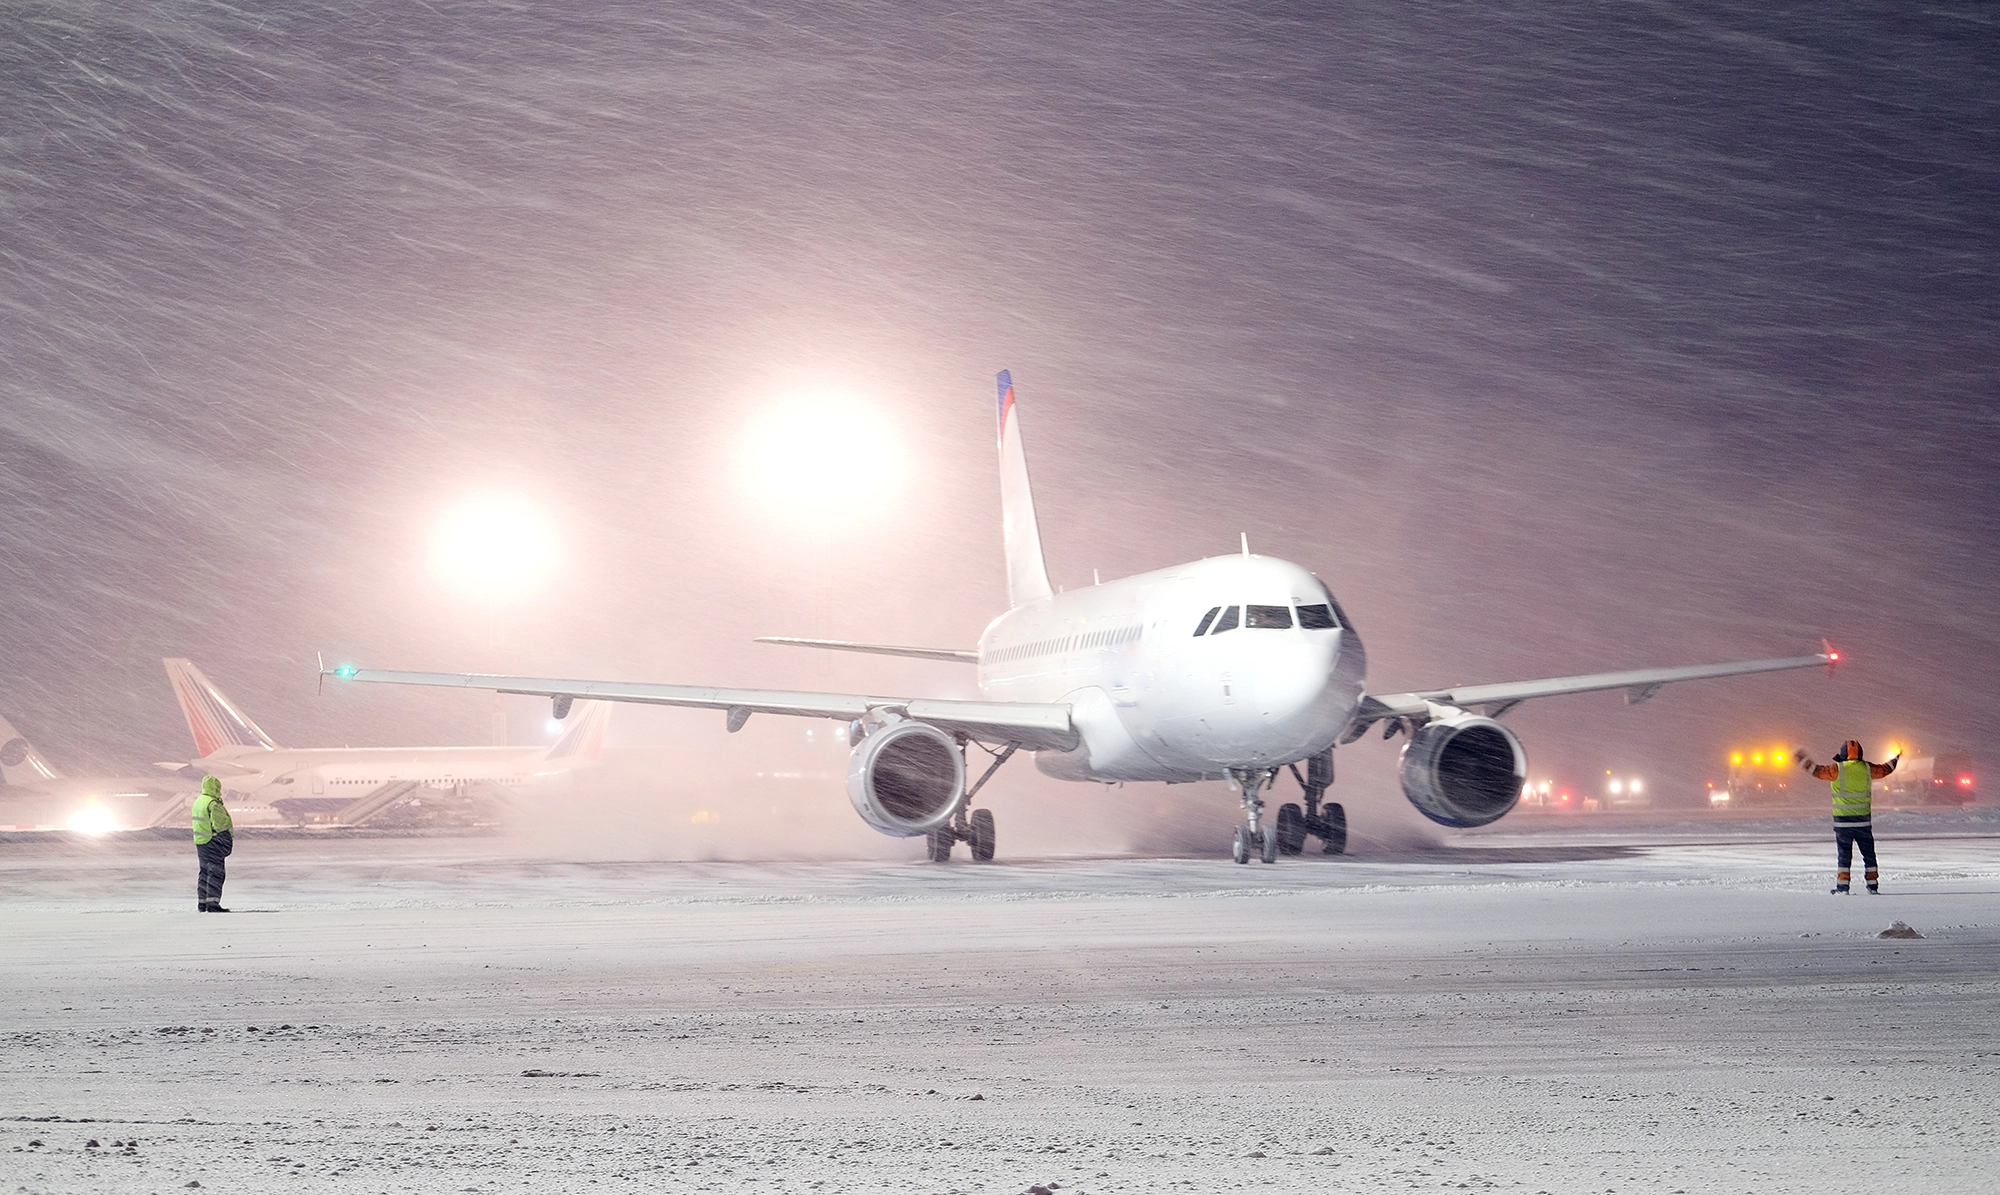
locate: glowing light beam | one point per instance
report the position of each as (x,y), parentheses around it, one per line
(496,545)
(815,457)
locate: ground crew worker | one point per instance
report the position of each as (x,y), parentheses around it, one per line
(212,844)
(1852,824)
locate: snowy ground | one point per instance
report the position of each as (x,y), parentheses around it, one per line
(1557,1017)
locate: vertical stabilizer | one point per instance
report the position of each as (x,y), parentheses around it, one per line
(582,738)
(1027,576)
(20,763)
(211,719)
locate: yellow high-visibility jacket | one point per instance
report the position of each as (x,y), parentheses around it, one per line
(211,817)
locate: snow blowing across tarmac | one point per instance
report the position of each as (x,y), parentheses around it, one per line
(704,358)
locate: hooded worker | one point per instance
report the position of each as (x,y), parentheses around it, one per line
(1852,778)
(212,844)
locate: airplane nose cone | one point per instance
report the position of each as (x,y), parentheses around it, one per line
(1297,681)
(1306,693)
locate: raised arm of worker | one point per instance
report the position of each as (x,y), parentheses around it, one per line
(1818,771)
(1831,771)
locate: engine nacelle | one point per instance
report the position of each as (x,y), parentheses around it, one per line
(1464,771)
(906,778)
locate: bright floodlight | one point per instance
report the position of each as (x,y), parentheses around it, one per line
(819,456)
(496,545)
(93,819)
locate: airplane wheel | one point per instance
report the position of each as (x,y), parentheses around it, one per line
(1336,830)
(1291,829)
(1268,842)
(982,836)
(1240,849)
(940,843)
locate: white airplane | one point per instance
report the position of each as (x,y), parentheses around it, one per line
(1234,667)
(34,796)
(348,785)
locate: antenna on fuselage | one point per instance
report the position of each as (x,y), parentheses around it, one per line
(1246,542)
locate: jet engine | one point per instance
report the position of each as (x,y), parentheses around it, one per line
(906,778)
(1465,770)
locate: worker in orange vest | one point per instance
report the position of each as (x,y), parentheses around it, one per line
(1853,826)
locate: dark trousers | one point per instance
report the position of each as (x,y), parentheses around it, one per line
(208,886)
(1845,839)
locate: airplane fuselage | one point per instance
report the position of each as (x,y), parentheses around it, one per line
(356,771)
(1273,677)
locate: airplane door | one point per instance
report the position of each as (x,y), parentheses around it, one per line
(319,783)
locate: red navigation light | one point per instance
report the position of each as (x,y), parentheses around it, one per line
(1833,655)
(1966,781)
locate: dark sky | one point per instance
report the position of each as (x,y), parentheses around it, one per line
(1558,338)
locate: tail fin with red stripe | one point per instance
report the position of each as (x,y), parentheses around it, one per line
(1021,536)
(583,734)
(213,721)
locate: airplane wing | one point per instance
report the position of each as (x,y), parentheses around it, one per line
(879,649)
(1035,727)
(1496,699)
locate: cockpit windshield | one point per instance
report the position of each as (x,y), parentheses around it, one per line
(1312,616)
(1340,620)
(1267,618)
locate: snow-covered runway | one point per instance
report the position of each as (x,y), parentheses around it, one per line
(430,1017)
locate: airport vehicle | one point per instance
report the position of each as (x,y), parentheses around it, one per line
(1769,778)
(34,796)
(1943,778)
(349,785)
(1236,668)
(1625,792)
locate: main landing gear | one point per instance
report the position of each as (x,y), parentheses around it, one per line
(969,825)
(1288,836)
(1329,826)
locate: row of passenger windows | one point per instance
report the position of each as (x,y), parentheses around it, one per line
(1320,617)
(1116,637)
(431,780)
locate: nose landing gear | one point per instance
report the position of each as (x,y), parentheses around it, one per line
(1252,837)
(1328,823)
